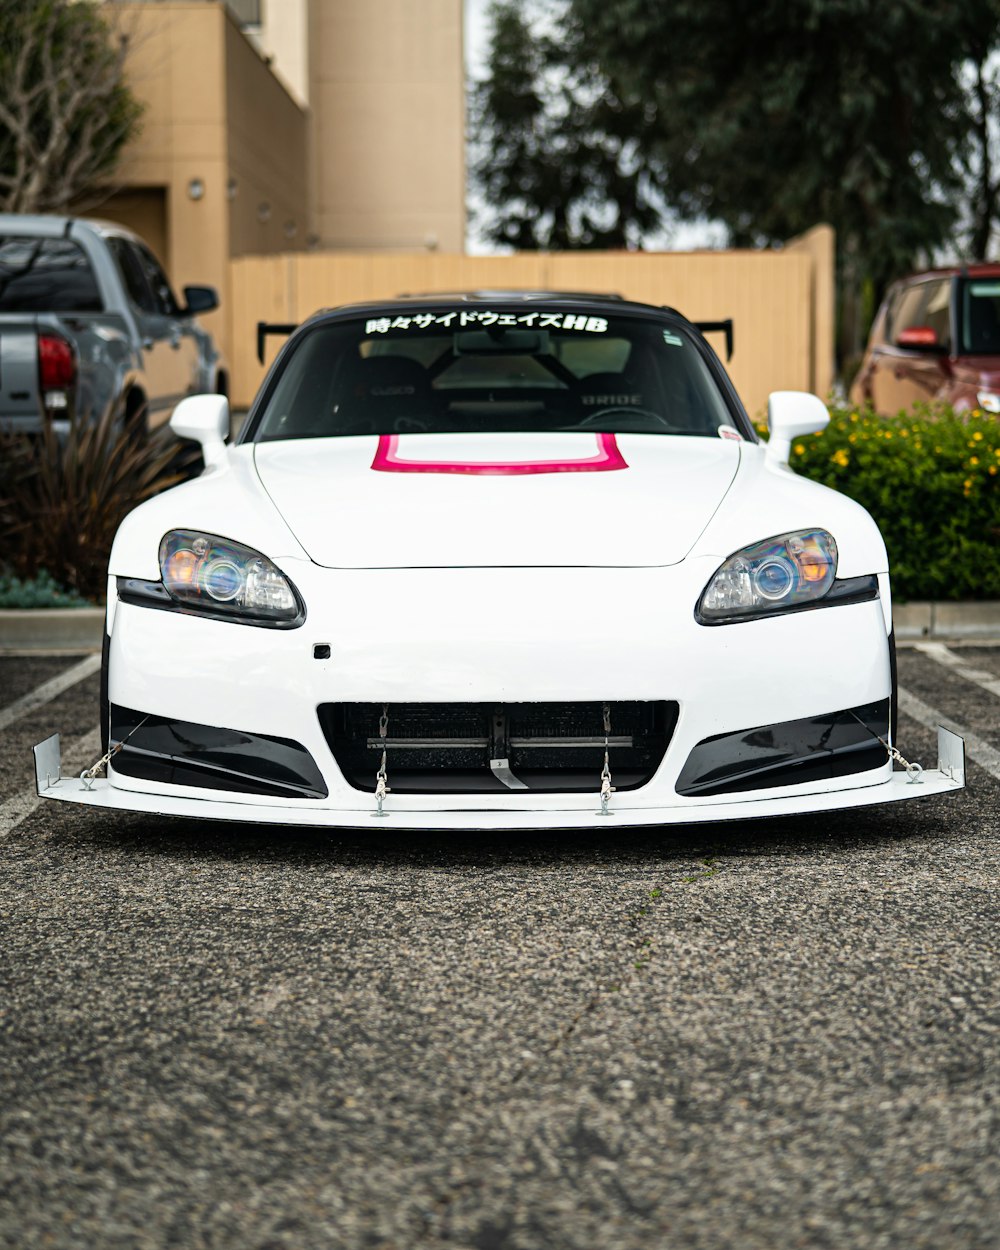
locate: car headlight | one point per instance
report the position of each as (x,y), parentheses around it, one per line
(777,575)
(224,578)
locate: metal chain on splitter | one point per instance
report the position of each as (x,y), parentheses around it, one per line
(382,776)
(913,770)
(89,775)
(607,789)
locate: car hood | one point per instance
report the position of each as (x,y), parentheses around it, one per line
(436,500)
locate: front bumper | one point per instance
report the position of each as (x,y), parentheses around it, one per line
(103,793)
(506,636)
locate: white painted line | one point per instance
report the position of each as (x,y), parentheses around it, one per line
(941,654)
(977,749)
(82,752)
(48,690)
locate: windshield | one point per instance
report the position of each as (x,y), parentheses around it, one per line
(981,317)
(494,371)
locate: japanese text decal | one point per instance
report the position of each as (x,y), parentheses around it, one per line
(461,318)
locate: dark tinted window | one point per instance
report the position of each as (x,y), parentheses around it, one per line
(981,316)
(494,370)
(132,274)
(166,302)
(46,275)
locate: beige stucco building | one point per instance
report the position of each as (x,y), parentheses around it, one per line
(220,166)
(304,153)
(281,125)
(386,90)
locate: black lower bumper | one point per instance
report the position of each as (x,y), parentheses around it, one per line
(185,754)
(817,748)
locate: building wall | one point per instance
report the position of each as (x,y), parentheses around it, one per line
(283,37)
(216,121)
(174,69)
(777,299)
(267,135)
(387,93)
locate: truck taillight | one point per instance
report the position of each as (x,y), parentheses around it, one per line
(56,370)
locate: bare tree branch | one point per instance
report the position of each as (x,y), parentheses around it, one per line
(65,108)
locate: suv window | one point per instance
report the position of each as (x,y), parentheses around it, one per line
(132,274)
(46,275)
(937,311)
(981,316)
(906,310)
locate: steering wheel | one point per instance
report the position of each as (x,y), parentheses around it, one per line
(409,425)
(642,412)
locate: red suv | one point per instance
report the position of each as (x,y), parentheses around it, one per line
(936,337)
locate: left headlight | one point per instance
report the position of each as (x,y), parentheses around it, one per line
(777,575)
(223,578)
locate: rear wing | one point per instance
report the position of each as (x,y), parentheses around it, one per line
(266,328)
(719,327)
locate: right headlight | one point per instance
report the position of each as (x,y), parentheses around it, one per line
(777,575)
(223,578)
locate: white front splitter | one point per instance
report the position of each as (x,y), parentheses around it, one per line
(101,793)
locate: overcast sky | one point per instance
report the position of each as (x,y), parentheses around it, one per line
(475,36)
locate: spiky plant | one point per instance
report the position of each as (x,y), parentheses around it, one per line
(63,495)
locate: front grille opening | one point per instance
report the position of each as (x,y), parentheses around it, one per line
(456,748)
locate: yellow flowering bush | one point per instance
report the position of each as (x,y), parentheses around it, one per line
(930,480)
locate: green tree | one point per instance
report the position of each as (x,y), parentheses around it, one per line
(773,115)
(547,157)
(65,109)
(976,27)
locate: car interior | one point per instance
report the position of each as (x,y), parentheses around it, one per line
(340,384)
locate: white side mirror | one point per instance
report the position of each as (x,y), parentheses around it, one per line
(790,414)
(205,419)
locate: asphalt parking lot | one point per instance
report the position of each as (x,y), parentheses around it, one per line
(768,1035)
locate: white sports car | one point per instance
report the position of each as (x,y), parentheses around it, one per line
(496,561)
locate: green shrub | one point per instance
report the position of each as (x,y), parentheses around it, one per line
(40,591)
(931,480)
(63,498)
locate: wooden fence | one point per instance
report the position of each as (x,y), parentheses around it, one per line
(781,301)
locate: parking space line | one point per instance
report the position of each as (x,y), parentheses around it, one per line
(80,753)
(977,749)
(48,690)
(941,654)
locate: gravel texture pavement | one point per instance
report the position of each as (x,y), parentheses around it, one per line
(763,1036)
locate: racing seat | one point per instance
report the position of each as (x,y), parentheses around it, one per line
(615,388)
(380,393)
(673,385)
(598,391)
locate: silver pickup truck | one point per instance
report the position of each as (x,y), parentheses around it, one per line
(88,323)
